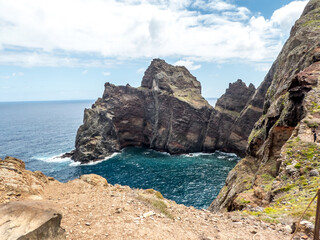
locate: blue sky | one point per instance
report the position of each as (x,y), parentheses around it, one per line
(68,49)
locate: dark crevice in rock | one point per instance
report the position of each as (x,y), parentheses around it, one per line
(295,72)
(156,118)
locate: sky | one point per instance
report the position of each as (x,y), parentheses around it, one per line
(68,49)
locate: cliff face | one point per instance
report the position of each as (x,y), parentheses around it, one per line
(281,153)
(167,113)
(231,124)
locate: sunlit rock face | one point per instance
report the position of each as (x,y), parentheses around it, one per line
(283,134)
(167,113)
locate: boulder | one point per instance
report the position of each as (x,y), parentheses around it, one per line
(30,220)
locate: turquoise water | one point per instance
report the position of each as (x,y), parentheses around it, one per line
(36,132)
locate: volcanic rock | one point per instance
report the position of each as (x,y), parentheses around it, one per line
(280,147)
(167,113)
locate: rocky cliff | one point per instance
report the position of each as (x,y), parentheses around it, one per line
(167,113)
(281,168)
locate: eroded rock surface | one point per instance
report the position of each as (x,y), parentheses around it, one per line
(17,182)
(275,172)
(167,113)
(30,220)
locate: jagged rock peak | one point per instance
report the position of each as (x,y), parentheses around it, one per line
(236,96)
(167,113)
(165,77)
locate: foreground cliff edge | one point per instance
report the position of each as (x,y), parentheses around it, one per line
(281,169)
(34,206)
(167,113)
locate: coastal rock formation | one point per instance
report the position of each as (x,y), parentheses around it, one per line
(234,118)
(17,182)
(167,113)
(281,152)
(30,220)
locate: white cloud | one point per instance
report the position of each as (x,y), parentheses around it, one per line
(287,15)
(13,75)
(218,5)
(141,70)
(84,72)
(106,73)
(61,33)
(188,64)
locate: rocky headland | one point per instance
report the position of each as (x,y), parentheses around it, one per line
(167,113)
(280,172)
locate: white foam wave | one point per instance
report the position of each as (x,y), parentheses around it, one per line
(197,154)
(54,159)
(149,151)
(74,164)
(227,154)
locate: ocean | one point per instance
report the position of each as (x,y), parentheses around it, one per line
(38,132)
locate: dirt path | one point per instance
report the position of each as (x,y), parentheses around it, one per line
(93,211)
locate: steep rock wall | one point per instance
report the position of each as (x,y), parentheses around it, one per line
(167,113)
(264,177)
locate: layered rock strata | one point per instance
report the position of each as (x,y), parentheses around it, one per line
(167,113)
(276,172)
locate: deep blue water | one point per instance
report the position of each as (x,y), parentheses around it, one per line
(36,132)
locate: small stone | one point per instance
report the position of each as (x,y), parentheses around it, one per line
(314,173)
(308,226)
(118,210)
(291,170)
(88,224)
(235,219)
(287,229)
(237,223)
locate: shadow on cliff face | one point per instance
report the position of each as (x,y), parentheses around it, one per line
(291,79)
(167,113)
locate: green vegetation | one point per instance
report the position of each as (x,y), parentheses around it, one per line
(156,193)
(292,192)
(256,133)
(311,124)
(311,23)
(314,107)
(156,200)
(233,114)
